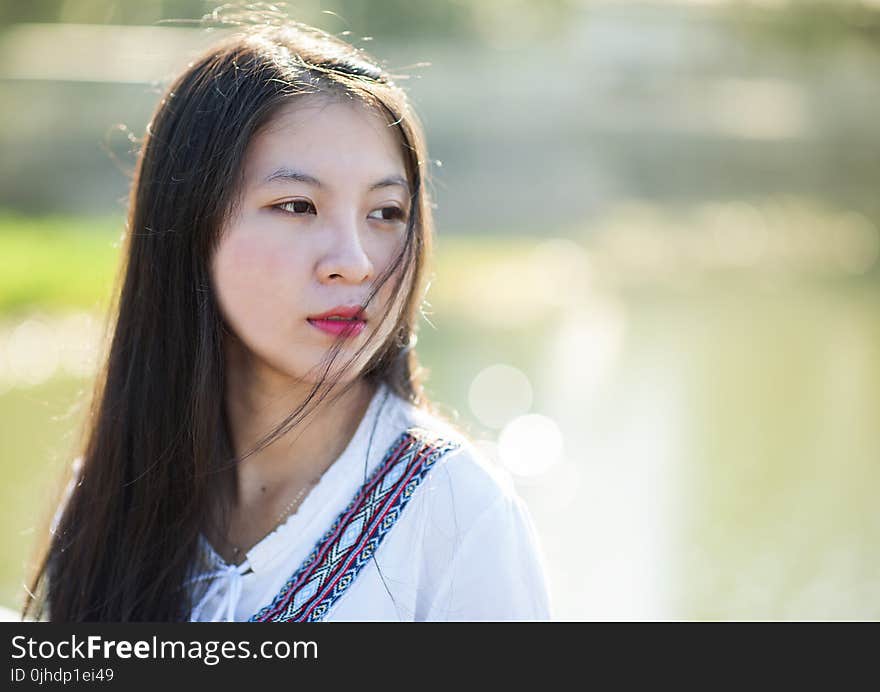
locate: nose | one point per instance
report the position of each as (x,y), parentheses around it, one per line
(345,258)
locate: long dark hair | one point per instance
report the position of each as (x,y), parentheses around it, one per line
(157,459)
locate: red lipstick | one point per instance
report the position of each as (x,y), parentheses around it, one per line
(345,320)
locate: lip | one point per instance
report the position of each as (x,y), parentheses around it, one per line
(347,311)
(337,328)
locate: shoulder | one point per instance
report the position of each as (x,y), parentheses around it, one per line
(462,482)
(480,557)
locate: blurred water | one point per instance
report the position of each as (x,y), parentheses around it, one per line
(719,458)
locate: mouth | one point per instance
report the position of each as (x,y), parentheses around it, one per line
(348,321)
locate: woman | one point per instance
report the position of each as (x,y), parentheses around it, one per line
(260,446)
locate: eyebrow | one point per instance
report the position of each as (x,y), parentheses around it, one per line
(289,174)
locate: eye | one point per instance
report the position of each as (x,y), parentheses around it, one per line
(388,214)
(297,207)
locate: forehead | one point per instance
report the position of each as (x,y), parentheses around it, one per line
(328,138)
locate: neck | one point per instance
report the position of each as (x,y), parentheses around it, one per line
(258,398)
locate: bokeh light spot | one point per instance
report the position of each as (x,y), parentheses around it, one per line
(499,393)
(31,352)
(530,445)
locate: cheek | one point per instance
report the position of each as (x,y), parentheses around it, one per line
(393,300)
(256,281)
(385,252)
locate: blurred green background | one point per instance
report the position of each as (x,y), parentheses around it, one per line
(657,285)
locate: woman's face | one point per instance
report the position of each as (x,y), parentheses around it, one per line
(322,214)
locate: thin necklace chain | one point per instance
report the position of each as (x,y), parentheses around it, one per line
(237,550)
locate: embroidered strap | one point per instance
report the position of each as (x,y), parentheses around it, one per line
(344,549)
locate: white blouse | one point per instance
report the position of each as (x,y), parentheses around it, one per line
(455,541)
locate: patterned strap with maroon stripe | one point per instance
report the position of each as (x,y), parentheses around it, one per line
(355,535)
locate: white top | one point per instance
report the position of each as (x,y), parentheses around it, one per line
(463,548)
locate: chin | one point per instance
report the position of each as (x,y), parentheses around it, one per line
(335,373)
